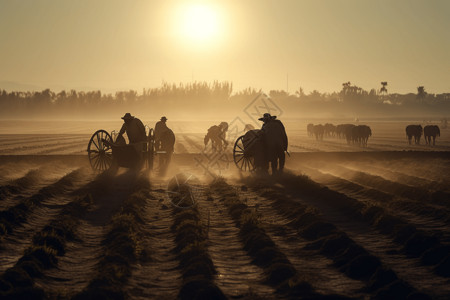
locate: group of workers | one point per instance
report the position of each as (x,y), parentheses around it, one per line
(135,130)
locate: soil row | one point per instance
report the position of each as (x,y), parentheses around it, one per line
(47,246)
(414,242)
(123,247)
(348,256)
(195,263)
(424,216)
(278,270)
(17,214)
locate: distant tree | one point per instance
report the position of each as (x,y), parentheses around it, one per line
(278,94)
(300,93)
(421,93)
(383,90)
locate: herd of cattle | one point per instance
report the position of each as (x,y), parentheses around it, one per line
(359,134)
(354,134)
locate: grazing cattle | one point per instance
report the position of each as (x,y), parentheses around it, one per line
(310,129)
(347,132)
(361,134)
(318,131)
(414,131)
(431,131)
(329,129)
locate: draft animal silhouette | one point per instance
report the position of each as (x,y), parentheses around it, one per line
(329,130)
(414,131)
(318,131)
(431,131)
(361,134)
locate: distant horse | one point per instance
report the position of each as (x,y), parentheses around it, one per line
(414,131)
(431,131)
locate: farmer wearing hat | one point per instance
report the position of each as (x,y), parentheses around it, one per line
(134,128)
(160,129)
(275,142)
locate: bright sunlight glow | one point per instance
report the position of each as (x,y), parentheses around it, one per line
(199,23)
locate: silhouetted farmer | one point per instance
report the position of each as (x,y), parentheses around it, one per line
(160,129)
(134,128)
(275,141)
(217,135)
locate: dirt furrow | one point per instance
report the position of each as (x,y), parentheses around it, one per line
(82,252)
(47,148)
(192,248)
(9,193)
(73,147)
(316,268)
(399,176)
(18,214)
(122,242)
(419,194)
(278,269)
(237,277)
(425,217)
(30,140)
(158,278)
(43,251)
(342,212)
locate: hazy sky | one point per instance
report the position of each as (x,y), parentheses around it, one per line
(268,44)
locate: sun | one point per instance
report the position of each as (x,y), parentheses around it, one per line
(199,23)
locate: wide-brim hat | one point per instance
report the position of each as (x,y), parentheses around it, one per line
(267,116)
(127,116)
(163,119)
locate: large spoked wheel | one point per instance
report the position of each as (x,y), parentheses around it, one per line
(99,151)
(243,160)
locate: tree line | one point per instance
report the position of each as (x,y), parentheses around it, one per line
(218,96)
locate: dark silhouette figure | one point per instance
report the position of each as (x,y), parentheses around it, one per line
(217,135)
(167,143)
(254,147)
(275,142)
(431,131)
(414,131)
(160,129)
(134,128)
(318,131)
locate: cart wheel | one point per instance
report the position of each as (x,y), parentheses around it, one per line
(242,160)
(99,151)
